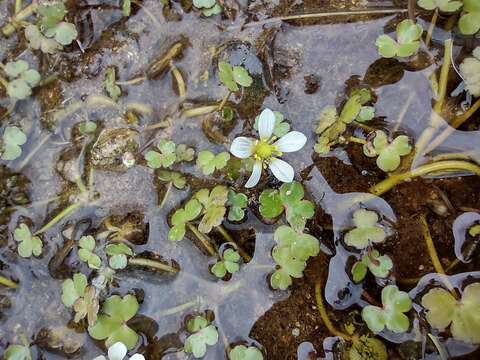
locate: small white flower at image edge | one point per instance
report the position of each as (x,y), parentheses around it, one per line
(266,150)
(118,351)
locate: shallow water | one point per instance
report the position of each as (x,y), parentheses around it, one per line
(334,51)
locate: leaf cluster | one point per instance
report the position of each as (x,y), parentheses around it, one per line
(366,231)
(229,263)
(210,205)
(21,79)
(443,310)
(331,125)
(118,255)
(208,7)
(388,152)
(379,266)
(288,199)
(202,334)
(391,315)
(13,139)
(52,33)
(168,154)
(469,22)
(407,43)
(111,324)
(86,252)
(28,244)
(208,162)
(237,203)
(83,298)
(233,76)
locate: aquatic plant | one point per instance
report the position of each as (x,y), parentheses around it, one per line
(388,152)
(470,70)
(233,76)
(379,265)
(118,255)
(109,84)
(111,324)
(168,154)
(28,244)
(391,315)
(172,177)
(18,352)
(52,33)
(266,149)
(13,138)
(443,310)
(442,5)
(118,351)
(208,7)
(86,252)
(202,334)
(227,264)
(332,126)
(21,79)
(288,199)
(407,43)
(242,352)
(181,217)
(366,231)
(87,127)
(208,162)
(81,297)
(469,22)
(237,203)
(126,11)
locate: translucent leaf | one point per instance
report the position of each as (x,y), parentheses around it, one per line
(225,73)
(214,10)
(19,89)
(117,262)
(387,47)
(366,113)
(15,68)
(204,3)
(51,14)
(241,352)
(17,352)
(87,242)
(408,31)
(359,271)
(219,269)
(374,318)
(270,204)
(241,76)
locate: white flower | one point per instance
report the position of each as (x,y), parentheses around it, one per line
(266,150)
(117,352)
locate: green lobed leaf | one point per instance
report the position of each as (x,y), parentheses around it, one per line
(242,352)
(225,73)
(270,204)
(241,76)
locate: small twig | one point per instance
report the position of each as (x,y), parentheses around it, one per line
(203,239)
(7,282)
(317,15)
(177,75)
(134,81)
(433,23)
(437,265)
(65,212)
(323,314)
(229,238)
(442,90)
(138,261)
(411,10)
(357,140)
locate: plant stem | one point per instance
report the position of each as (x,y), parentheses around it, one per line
(356,140)
(33,152)
(138,261)
(316,15)
(179,308)
(442,85)
(134,81)
(177,75)
(18,6)
(411,10)
(459,120)
(229,238)
(7,282)
(224,101)
(9,29)
(323,314)
(437,265)
(203,239)
(433,22)
(65,212)
(201,110)
(165,196)
(448,165)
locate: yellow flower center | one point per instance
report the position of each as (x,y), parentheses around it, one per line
(264,150)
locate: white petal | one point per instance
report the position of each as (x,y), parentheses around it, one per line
(256,173)
(293,141)
(242,147)
(137,357)
(117,351)
(266,124)
(282,170)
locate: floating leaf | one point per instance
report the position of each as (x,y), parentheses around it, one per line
(176,178)
(242,352)
(17,352)
(190,212)
(288,267)
(229,263)
(379,266)
(469,22)
(232,76)
(214,207)
(13,138)
(203,335)
(237,203)
(118,255)
(389,153)
(73,289)
(366,230)
(22,79)
(270,204)
(87,127)
(29,244)
(407,44)
(301,245)
(208,162)
(442,310)
(165,158)
(86,253)
(442,5)
(184,153)
(111,325)
(395,304)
